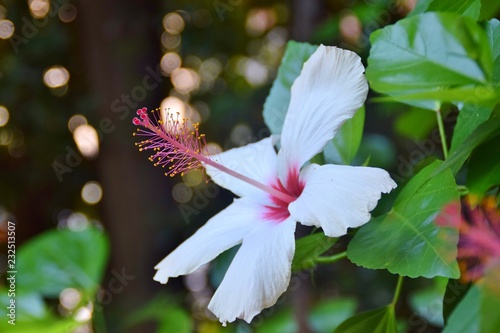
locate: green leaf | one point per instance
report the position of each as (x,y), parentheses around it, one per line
(377,150)
(460,153)
(428,303)
(470,8)
(480,94)
(489,9)
(406,241)
(29,307)
(477,312)
(483,168)
(165,310)
(175,319)
(455,292)
(276,104)
(309,248)
(345,144)
(428,53)
(380,320)
(490,299)
(465,317)
(469,118)
(328,315)
(493,33)
(62,259)
(416,123)
(283,321)
(45,325)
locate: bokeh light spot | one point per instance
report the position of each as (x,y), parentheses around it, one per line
(77,222)
(6,136)
(70,298)
(260,20)
(210,69)
(173,23)
(67,13)
(193,178)
(172,105)
(92,192)
(56,76)
(6,29)
(170,41)
(255,72)
(39,8)
(87,141)
(182,193)
(241,135)
(4,115)
(185,80)
(84,314)
(213,148)
(350,27)
(16,148)
(75,121)
(170,62)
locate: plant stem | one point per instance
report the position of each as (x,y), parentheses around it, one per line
(442,134)
(331,259)
(99,322)
(397,291)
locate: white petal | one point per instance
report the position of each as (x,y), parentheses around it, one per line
(259,273)
(328,91)
(221,232)
(256,161)
(337,197)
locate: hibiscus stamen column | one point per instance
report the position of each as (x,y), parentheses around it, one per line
(182,149)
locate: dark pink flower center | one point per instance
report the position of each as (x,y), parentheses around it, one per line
(293,187)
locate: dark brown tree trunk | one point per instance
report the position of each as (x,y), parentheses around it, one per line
(118,48)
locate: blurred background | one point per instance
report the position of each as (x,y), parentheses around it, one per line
(72,75)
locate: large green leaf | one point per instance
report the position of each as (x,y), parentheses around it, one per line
(62,259)
(406,240)
(426,54)
(470,8)
(309,248)
(380,320)
(457,156)
(276,104)
(345,144)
